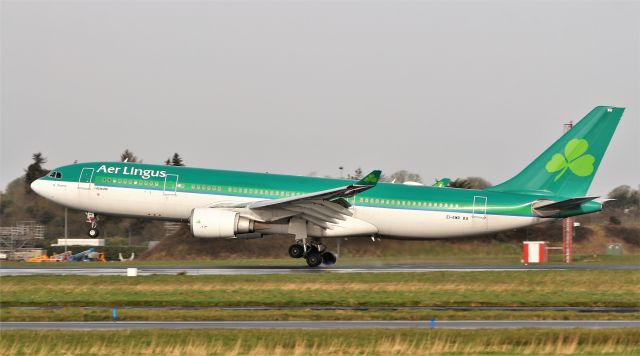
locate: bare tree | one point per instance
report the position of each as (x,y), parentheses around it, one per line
(625,198)
(470,183)
(403,176)
(357,174)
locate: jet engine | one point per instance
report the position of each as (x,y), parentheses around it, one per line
(215,223)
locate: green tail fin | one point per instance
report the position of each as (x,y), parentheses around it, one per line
(567,167)
(370,179)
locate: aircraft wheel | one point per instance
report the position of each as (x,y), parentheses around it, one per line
(314,259)
(296,251)
(329,258)
(93,233)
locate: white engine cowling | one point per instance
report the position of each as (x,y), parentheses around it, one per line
(214,223)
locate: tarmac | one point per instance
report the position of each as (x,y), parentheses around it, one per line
(426,324)
(144,270)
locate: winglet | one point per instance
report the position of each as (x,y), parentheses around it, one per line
(370,179)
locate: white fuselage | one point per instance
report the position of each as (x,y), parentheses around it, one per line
(398,223)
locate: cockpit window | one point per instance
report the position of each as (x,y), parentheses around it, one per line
(56,175)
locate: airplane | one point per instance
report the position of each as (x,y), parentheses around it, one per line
(221,204)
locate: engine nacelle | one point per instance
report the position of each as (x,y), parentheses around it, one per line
(215,223)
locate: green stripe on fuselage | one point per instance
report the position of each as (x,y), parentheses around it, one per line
(274,186)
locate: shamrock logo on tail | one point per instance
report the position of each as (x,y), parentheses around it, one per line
(370,179)
(574,159)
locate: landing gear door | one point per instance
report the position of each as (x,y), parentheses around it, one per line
(170,184)
(86,177)
(479,215)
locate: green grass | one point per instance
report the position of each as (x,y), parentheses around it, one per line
(510,288)
(129,314)
(329,342)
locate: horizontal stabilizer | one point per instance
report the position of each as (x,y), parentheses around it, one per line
(561,205)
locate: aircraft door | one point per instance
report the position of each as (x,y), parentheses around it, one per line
(479,215)
(170,184)
(86,177)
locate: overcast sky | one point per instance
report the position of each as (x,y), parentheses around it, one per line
(444,89)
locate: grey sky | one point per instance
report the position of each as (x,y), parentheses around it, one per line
(440,88)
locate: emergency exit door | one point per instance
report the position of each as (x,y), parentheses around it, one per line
(479,218)
(170,184)
(86,177)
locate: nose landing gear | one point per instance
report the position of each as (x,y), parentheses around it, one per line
(92,219)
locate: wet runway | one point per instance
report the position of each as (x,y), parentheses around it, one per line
(259,270)
(427,324)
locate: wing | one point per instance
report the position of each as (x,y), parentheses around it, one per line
(324,208)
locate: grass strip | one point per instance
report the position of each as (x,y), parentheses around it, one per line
(333,342)
(605,288)
(88,314)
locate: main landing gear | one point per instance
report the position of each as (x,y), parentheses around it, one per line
(314,253)
(92,219)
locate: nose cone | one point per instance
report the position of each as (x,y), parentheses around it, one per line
(38,186)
